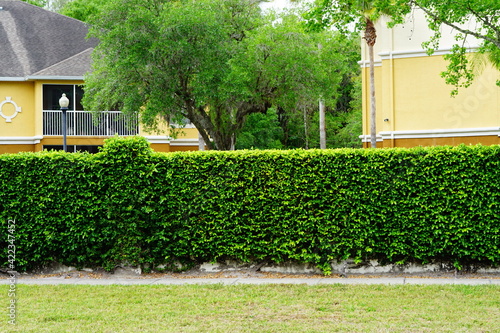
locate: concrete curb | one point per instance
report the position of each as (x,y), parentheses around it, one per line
(254,281)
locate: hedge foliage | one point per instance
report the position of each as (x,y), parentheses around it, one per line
(130,204)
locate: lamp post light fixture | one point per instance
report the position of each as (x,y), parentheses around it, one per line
(63,103)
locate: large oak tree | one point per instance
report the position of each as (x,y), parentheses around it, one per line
(213,62)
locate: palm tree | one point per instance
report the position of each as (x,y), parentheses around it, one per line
(370,38)
(340,13)
(367,14)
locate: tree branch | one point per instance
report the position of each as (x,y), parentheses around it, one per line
(201,121)
(484,20)
(456,27)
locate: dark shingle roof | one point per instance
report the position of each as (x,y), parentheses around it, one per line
(35,41)
(76,65)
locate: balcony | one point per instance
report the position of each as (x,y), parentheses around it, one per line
(83,123)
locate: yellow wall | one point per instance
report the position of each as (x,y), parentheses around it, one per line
(27,126)
(454,141)
(412,96)
(183,148)
(423,99)
(14,149)
(414,104)
(380,95)
(164,130)
(22,93)
(188,133)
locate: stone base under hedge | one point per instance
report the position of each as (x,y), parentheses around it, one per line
(341,268)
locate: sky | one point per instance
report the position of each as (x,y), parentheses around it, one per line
(275,4)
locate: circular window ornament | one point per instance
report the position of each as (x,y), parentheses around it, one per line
(8,100)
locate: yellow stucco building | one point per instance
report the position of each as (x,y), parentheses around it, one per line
(43,55)
(414,105)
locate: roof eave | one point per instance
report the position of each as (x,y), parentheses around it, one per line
(41,78)
(7,78)
(55,78)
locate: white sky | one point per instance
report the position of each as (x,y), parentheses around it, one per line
(275,4)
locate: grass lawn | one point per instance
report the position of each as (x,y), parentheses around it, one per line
(254,308)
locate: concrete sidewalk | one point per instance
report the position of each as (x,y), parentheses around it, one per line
(241,281)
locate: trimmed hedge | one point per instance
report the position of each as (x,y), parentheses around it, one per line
(130,204)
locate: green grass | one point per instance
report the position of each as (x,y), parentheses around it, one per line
(253,308)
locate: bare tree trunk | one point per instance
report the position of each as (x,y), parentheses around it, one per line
(306,129)
(233,142)
(283,119)
(201,142)
(322,131)
(322,126)
(371,37)
(373,112)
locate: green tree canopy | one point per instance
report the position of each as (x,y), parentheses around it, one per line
(213,62)
(169,59)
(83,10)
(39,3)
(293,122)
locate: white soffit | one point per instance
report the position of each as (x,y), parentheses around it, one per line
(441,133)
(366,63)
(415,53)
(158,139)
(184,142)
(20,140)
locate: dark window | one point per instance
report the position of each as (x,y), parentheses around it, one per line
(52,93)
(79,122)
(72,148)
(90,149)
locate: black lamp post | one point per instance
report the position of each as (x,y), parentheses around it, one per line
(63,103)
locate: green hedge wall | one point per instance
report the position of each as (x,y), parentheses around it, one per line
(130,204)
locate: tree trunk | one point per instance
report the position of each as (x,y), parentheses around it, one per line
(223,141)
(371,37)
(283,119)
(322,126)
(306,129)
(218,131)
(201,142)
